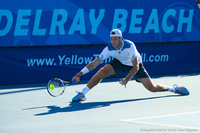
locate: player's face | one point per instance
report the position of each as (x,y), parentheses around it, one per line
(116,42)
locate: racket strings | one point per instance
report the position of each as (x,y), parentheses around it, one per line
(58,88)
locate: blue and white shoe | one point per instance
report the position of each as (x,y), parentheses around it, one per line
(180,90)
(79,97)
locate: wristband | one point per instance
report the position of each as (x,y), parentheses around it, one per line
(85,70)
(77,75)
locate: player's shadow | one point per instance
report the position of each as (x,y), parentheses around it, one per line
(78,106)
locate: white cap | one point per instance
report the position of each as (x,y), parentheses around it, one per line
(116,32)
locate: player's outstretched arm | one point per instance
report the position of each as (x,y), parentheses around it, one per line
(133,71)
(91,66)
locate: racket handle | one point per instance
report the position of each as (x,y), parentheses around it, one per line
(73,81)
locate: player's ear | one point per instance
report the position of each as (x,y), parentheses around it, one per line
(121,37)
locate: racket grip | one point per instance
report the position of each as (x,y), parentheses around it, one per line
(73,81)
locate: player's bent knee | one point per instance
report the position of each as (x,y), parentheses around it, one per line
(102,73)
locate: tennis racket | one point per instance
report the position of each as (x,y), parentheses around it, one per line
(56,86)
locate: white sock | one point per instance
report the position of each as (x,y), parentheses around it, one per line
(171,89)
(85,90)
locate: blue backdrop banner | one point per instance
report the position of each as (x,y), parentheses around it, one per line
(43,39)
(69,22)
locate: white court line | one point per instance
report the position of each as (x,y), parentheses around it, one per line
(152,123)
(167,125)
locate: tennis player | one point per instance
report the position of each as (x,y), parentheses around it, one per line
(126,59)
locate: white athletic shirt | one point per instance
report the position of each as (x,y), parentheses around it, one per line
(125,55)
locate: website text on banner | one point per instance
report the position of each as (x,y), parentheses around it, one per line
(39,64)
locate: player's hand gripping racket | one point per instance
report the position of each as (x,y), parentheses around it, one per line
(56,86)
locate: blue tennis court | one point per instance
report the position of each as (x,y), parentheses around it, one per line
(109,108)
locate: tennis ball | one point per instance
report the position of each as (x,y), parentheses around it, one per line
(52,86)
